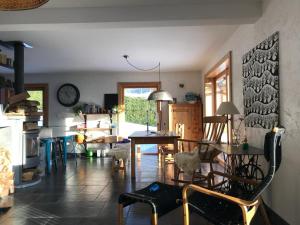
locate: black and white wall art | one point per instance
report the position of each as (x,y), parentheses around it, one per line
(261,84)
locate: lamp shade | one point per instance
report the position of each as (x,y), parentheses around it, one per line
(8,5)
(160,96)
(227,108)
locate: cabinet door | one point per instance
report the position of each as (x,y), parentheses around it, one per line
(190,116)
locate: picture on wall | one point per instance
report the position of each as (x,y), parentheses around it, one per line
(261,84)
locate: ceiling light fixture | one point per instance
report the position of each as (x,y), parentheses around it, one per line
(14,5)
(159,95)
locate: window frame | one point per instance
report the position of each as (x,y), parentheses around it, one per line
(123,85)
(223,66)
(45,88)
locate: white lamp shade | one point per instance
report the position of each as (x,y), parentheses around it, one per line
(227,108)
(160,96)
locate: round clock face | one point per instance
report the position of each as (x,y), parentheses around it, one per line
(68,95)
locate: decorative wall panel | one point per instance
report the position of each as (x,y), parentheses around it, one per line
(261,84)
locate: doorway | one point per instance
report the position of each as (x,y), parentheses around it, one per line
(39,92)
(137,112)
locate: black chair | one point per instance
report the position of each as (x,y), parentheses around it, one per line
(237,205)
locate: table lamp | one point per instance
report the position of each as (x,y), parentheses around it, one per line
(228,108)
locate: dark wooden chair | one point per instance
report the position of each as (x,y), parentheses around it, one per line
(235,204)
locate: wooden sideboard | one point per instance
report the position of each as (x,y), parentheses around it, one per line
(190,117)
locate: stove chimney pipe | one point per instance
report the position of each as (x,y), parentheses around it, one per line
(19,67)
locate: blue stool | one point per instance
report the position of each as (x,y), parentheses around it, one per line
(64,140)
(48,142)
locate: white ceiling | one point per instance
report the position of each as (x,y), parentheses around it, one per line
(177,48)
(68,36)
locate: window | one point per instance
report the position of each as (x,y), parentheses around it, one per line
(39,92)
(217,89)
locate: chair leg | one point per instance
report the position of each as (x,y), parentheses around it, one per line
(211,166)
(60,151)
(154,219)
(264,213)
(120,214)
(176,176)
(54,156)
(48,156)
(112,165)
(124,166)
(74,150)
(186,213)
(193,176)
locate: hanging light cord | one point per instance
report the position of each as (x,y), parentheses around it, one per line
(142,69)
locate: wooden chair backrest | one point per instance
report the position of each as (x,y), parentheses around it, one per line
(179,128)
(213,127)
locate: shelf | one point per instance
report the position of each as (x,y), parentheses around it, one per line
(94,129)
(95,141)
(6,66)
(6,69)
(99,140)
(88,114)
(104,140)
(24,114)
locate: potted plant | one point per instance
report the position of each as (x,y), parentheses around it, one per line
(191,97)
(78,109)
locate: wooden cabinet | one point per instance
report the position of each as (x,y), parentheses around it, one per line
(189,117)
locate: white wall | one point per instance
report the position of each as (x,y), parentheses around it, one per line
(93,86)
(282,16)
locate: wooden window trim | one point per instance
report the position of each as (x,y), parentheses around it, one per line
(123,85)
(45,88)
(216,71)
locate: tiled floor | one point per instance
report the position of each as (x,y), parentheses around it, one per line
(87,195)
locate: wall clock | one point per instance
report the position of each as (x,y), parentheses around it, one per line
(68,95)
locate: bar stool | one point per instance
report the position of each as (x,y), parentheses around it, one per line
(64,140)
(48,142)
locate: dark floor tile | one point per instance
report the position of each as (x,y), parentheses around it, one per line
(88,194)
(69,209)
(99,221)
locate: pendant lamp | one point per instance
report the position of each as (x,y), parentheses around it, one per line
(14,5)
(159,95)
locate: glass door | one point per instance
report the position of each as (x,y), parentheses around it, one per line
(137,112)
